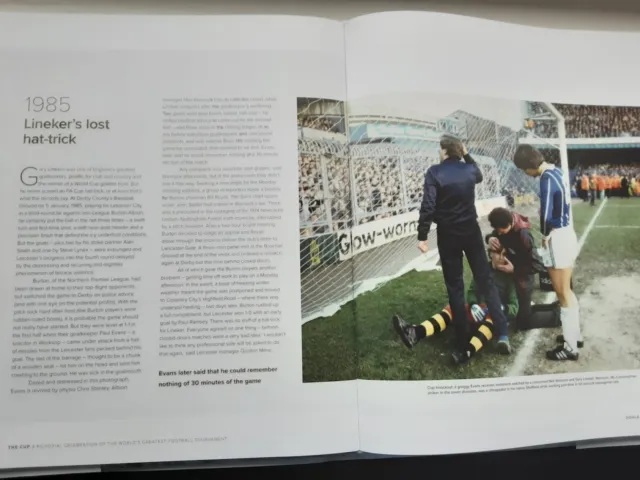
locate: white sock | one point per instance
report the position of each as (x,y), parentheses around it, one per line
(570,327)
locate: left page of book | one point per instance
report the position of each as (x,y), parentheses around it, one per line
(151,270)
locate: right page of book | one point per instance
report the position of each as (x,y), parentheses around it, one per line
(467,343)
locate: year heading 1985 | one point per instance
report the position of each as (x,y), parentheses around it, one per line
(53,126)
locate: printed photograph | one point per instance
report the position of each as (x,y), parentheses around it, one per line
(450,237)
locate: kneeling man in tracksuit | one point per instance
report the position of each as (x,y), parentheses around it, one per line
(512,233)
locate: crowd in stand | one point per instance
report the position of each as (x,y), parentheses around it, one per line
(378,187)
(587,121)
(630,171)
(326,201)
(323,123)
(382,190)
(379,193)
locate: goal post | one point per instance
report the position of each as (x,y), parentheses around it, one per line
(545,128)
(562,143)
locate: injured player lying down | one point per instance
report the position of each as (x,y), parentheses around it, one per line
(482,326)
(477,314)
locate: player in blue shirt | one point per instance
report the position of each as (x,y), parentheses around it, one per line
(560,242)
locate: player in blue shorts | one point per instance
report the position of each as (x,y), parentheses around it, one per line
(560,244)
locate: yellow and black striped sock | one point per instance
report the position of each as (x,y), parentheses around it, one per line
(436,324)
(481,337)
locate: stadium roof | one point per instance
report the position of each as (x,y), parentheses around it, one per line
(427,106)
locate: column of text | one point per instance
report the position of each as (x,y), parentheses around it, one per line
(220,287)
(75,298)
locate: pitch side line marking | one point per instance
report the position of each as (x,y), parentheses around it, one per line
(617,226)
(627,206)
(526,349)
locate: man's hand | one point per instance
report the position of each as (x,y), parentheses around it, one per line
(506,267)
(494,244)
(423,247)
(545,242)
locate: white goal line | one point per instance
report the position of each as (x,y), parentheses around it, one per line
(616,226)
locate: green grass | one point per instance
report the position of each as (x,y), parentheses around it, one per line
(359,341)
(329,348)
(609,250)
(582,214)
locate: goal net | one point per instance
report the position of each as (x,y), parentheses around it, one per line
(325,206)
(361,184)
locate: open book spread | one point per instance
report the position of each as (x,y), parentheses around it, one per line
(250,237)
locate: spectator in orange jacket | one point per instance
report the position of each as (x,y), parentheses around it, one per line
(601,186)
(585,187)
(607,186)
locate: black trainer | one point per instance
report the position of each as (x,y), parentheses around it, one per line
(562,353)
(406,332)
(460,358)
(560,339)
